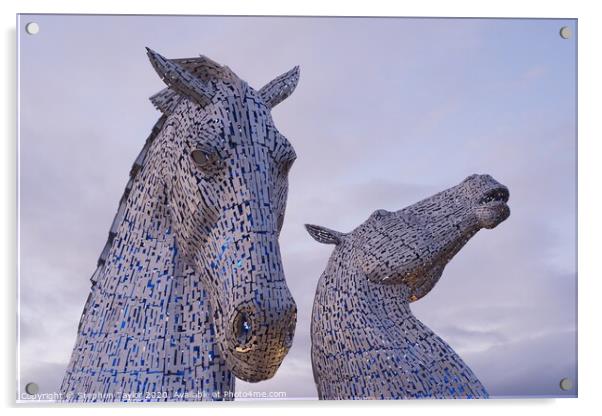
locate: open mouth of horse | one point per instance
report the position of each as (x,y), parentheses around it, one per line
(495,196)
(493,208)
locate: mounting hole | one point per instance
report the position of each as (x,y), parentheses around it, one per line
(566,384)
(32,28)
(565,32)
(31,388)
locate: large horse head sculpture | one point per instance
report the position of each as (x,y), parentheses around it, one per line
(228,168)
(196,238)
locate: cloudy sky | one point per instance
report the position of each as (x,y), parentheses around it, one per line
(387,112)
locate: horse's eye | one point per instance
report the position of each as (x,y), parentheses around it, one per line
(202,158)
(379,214)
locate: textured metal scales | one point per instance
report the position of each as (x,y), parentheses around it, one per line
(189,291)
(366,343)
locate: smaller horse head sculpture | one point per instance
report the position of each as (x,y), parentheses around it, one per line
(413,245)
(226,170)
(366,343)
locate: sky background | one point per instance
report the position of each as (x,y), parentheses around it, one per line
(387,112)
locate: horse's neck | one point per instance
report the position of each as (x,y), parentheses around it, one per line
(368,311)
(147,327)
(368,306)
(366,342)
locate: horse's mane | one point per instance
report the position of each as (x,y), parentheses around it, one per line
(117,220)
(165,101)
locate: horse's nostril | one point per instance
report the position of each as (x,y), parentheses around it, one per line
(243,331)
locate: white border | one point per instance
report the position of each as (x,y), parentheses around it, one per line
(590,205)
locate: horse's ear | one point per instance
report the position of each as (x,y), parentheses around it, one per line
(277,90)
(324,235)
(179,79)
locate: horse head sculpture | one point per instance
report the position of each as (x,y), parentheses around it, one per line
(366,343)
(193,257)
